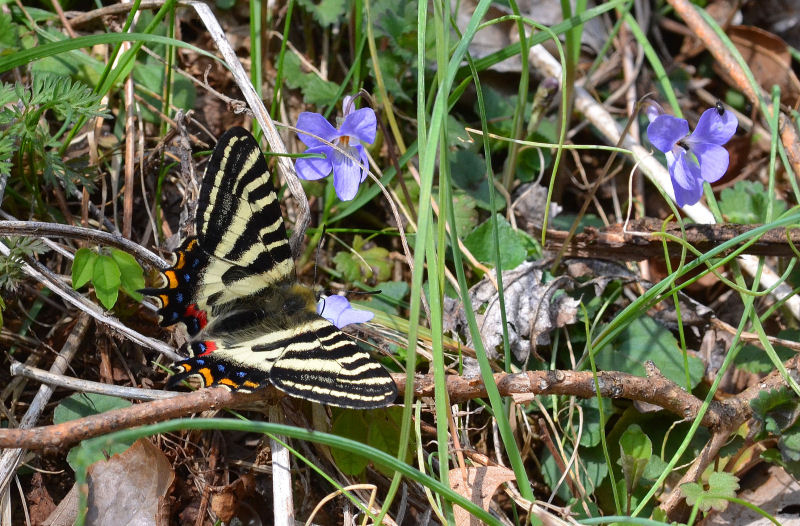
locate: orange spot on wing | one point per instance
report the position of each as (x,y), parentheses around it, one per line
(164,299)
(191,245)
(229,383)
(171,279)
(205,372)
(181,260)
(251,385)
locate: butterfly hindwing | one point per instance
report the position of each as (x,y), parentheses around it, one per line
(324,365)
(233,285)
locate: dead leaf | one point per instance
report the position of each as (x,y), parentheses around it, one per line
(40,502)
(480,486)
(531,310)
(67,510)
(125,489)
(769,59)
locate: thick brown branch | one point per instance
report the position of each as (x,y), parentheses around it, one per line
(654,389)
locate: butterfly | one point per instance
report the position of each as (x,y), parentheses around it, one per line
(234,286)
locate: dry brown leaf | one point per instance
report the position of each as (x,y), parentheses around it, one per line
(769,60)
(479,487)
(125,489)
(67,510)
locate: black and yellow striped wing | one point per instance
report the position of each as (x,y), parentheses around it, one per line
(234,287)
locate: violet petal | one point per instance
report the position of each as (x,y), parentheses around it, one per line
(714,128)
(667,130)
(713,160)
(361,124)
(346,175)
(313,168)
(317,126)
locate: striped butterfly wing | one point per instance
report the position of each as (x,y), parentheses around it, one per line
(234,287)
(323,364)
(240,248)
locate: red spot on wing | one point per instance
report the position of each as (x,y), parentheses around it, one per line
(210,347)
(200,315)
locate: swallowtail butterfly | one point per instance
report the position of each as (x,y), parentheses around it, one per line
(234,286)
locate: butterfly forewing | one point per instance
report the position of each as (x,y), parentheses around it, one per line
(234,287)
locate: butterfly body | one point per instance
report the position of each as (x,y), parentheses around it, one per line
(234,287)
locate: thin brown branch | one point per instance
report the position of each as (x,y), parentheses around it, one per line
(40,229)
(643,239)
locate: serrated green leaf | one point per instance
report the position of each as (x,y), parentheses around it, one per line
(776,409)
(513,243)
(316,91)
(8,32)
(81,405)
(635,451)
(721,487)
(83,267)
(364,263)
(326,12)
(350,424)
(131,274)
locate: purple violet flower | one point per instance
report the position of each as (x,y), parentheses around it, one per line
(696,157)
(337,310)
(355,127)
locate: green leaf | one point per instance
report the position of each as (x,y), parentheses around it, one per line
(83,267)
(466,213)
(644,339)
(316,91)
(755,360)
(131,274)
(359,263)
(721,487)
(350,424)
(746,203)
(592,432)
(468,171)
(81,405)
(107,280)
(635,451)
(776,409)
(594,471)
(392,293)
(8,32)
(513,243)
(152,75)
(789,443)
(326,12)
(532,161)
